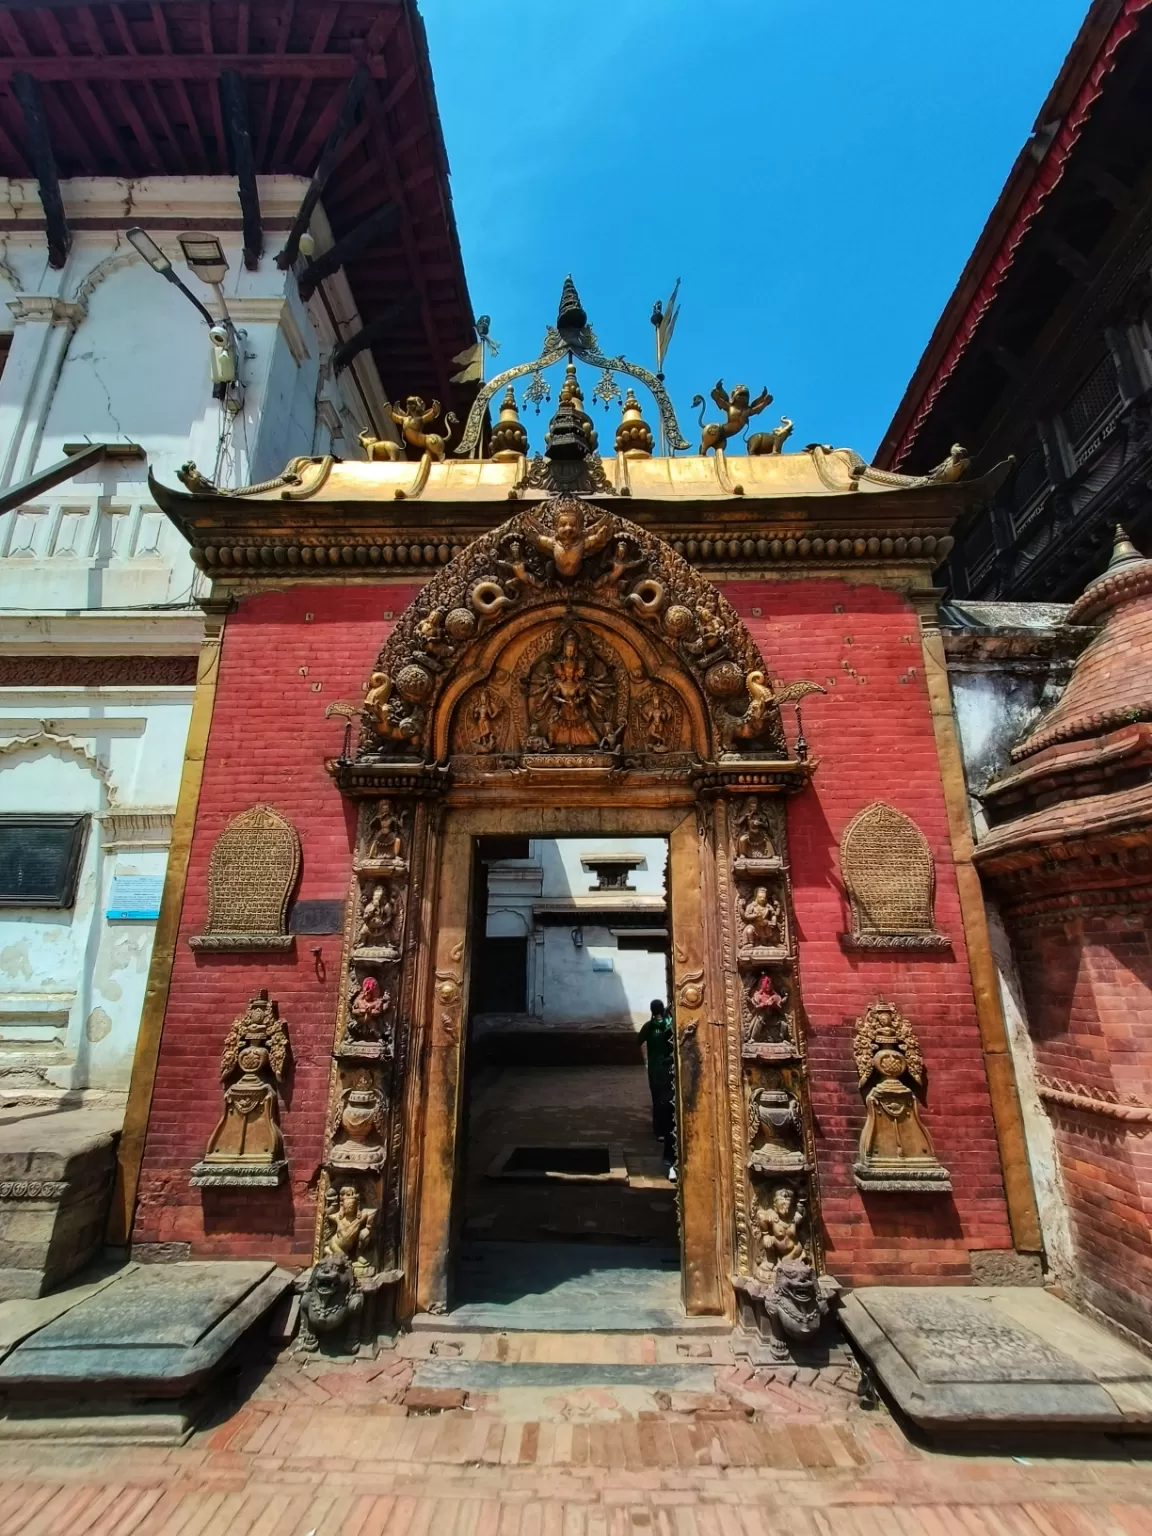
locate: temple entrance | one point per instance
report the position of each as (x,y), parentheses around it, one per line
(567,1207)
(569,691)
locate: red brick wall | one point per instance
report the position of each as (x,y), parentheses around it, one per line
(285,656)
(1088,989)
(874,738)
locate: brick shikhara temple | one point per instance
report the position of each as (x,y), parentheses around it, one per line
(419,661)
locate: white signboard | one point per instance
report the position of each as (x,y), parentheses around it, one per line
(135,896)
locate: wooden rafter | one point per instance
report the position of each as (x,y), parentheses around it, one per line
(327,163)
(194,66)
(235,97)
(27,93)
(349,245)
(373,332)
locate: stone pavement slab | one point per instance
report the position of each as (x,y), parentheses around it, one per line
(154,1331)
(987,1358)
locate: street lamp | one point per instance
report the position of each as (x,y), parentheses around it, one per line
(145,246)
(205,257)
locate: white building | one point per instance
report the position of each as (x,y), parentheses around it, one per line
(99,621)
(576,936)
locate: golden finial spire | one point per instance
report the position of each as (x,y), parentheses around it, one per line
(509,438)
(633,435)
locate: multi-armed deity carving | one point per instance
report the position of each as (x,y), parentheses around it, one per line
(896,1152)
(766,1025)
(571,697)
(246,1148)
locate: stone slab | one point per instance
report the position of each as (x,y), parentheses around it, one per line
(991,1358)
(158,1331)
(498,1376)
(22,1317)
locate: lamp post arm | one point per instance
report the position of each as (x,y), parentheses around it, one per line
(205,313)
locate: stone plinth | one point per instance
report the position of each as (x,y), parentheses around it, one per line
(56,1175)
(998,1359)
(136,1356)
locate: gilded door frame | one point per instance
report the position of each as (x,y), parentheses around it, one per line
(435,1104)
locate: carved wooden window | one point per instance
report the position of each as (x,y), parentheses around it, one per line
(251,874)
(891,881)
(40,860)
(1092,409)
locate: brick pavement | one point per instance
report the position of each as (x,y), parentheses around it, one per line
(330,1447)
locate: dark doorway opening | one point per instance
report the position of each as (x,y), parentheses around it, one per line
(567,1215)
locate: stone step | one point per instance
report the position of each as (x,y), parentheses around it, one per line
(505,1347)
(500,1376)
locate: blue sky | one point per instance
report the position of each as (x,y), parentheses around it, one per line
(817,175)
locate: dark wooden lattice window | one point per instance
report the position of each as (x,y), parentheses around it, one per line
(1092,409)
(40,859)
(1029,488)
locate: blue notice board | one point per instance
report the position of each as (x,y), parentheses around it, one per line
(135,897)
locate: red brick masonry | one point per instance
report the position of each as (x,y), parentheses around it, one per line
(286,655)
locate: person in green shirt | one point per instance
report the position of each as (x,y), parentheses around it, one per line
(660,1058)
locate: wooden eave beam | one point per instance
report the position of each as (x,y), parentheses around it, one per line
(27,93)
(234,94)
(193,66)
(374,331)
(327,164)
(348,246)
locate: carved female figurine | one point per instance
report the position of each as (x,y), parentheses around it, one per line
(367,1010)
(348,1227)
(385,833)
(377,918)
(779,1223)
(763,920)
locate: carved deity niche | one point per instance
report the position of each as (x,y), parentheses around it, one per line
(891,881)
(385,839)
(369,1027)
(656,720)
(483,722)
(575,692)
(348,1226)
(767,1030)
(378,921)
(254,866)
(780,1220)
(762,922)
(757,837)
